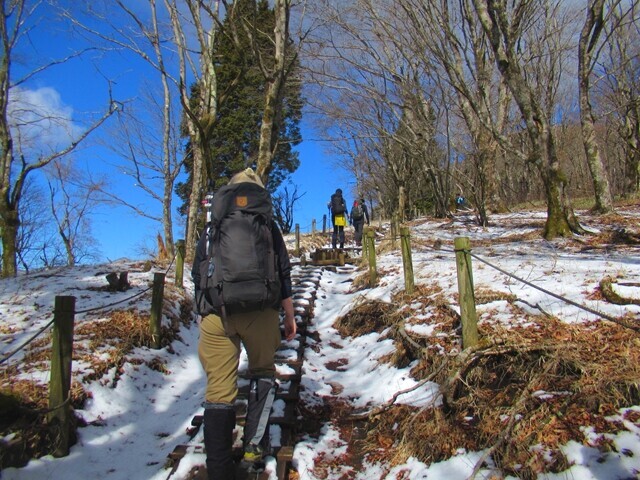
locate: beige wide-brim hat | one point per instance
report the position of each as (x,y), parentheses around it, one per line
(247,175)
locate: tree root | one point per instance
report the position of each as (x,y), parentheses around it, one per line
(612,297)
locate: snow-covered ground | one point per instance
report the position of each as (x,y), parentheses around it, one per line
(136,416)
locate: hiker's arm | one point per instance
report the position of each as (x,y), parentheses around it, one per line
(284,269)
(199,256)
(289,319)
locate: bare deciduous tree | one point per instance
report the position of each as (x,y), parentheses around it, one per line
(282,65)
(154,159)
(448,36)
(377,104)
(200,111)
(619,90)
(72,198)
(283,205)
(524,36)
(34,232)
(17,163)
(588,48)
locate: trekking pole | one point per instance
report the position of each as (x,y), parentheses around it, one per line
(207,203)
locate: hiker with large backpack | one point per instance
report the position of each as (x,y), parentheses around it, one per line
(242,278)
(359,215)
(338,208)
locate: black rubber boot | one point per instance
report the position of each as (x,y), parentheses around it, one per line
(262,393)
(218,442)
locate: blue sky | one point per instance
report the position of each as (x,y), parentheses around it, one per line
(84,90)
(121,234)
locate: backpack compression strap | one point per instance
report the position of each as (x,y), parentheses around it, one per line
(211,268)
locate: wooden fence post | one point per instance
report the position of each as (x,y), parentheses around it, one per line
(363,254)
(371,252)
(180,254)
(60,383)
(297,239)
(313,228)
(157,298)
(465,292)
(324,224)
(407,262)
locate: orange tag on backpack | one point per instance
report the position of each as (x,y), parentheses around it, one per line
(242,201)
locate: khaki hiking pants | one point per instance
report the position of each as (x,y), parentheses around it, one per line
(219,351)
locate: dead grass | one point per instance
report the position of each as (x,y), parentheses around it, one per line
(24,424)
(100,346)
(338,413)
(309,243)
(523,393)
(365,318)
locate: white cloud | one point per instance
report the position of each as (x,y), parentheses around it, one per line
(40,121)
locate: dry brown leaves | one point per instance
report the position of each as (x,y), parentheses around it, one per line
(99,346)
(23,415)
(373,316)
(538,387)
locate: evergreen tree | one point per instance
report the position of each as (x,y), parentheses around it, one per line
(241,86)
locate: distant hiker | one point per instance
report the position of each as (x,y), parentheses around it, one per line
(359,215)
(242,278)
(459,201)
(339,213)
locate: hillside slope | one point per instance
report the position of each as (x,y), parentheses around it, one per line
(551,388)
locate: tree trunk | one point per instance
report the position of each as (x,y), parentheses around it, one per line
(273,95)
(631,134)
(200,118)
(266,149)
(601,188)
(10,224)
(504,39)
(557,224)
(68,247)
(167,222)
(169,177)
(588,42)
(197,183)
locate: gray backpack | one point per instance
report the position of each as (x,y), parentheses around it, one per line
(240,271)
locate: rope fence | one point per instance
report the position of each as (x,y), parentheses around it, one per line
(541,289)
(59,413)
(559,297)
(46,327)
(87,310)
(409,274)
(396,233)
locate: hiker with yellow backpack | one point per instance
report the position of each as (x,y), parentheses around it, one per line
(338,208)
